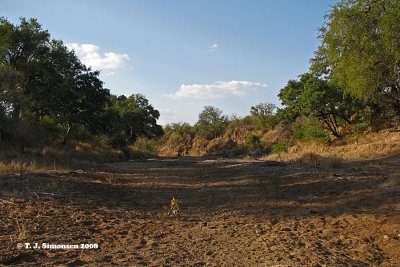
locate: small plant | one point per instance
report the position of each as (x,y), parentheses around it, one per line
(174,207)
(110,178)
(21,231)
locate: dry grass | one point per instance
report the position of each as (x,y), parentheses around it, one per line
(21,231)
(17,167)
(369,146)
(309,159)
(76,155)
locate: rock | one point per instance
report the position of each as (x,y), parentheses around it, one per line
(203,224)
(260,231)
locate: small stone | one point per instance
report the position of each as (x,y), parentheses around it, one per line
(259,231)
(386,237)
(203,224)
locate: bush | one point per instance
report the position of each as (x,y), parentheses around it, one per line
(308,129)
(279,147)
(252,142)
(146,145)
(118,140)
(360,128)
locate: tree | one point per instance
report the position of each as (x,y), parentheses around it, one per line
(263,109)
(21,49)
(211,122)
(263,116)
(312,96)
(69,92)
(134,117)
(9,93)
(360,52)
(44,78)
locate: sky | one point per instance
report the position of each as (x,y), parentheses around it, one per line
(184,55)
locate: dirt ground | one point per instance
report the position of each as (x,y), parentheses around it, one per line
(232,213)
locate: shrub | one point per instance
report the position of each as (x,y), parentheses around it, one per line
(309,129)
(279,147)
(118,140)
(146,145)
(252,142)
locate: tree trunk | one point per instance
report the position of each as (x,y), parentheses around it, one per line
(332,126)
(69,126)
(376,117)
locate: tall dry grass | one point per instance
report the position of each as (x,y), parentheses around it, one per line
(75,155)
(369,146)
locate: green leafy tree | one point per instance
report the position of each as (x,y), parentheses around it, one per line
(22,47)
(319,98)
(42,78)
(133,117)
(263,109)
(360,52)
(263,115)
(211,122)
(73,93)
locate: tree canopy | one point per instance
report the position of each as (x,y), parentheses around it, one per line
(360,52)
(43,82)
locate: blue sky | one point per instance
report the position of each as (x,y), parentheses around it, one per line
(183,55)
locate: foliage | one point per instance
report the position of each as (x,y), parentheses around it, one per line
(174,207)
(263,109)
(45,85)
(146,145)
(211,122)
(308,129)
(319,98)
(360,51)
(252,142)
(129,118)
(263,116)
(180,128)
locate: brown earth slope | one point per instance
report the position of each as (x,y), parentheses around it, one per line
(233,213)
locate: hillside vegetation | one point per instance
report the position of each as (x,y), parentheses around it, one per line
(314,182)
(48,97)
(352,88)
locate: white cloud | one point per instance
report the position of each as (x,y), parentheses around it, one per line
(167,116)
(217,89)
(90,55)
(213,47)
